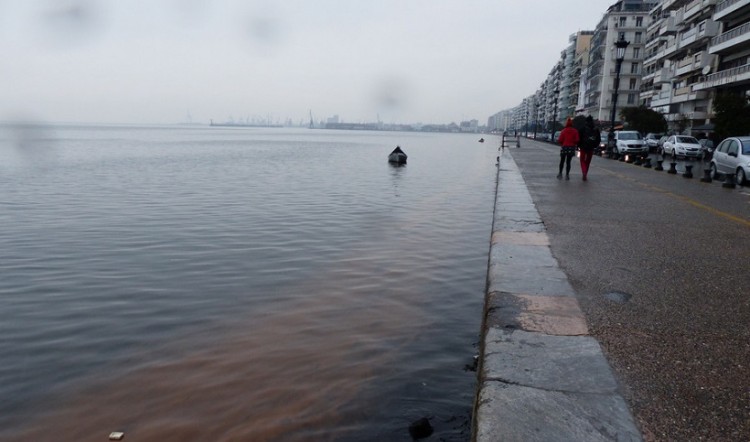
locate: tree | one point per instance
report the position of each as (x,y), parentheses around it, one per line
(644,120)
(731,115)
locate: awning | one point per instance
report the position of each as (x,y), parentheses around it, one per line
(708,126)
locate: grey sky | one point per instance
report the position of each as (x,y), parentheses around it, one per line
(152,61)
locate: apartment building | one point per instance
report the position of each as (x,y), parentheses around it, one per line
(629,20)
(729,52)
(679,57)
(569,68)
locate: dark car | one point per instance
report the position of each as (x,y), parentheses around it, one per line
(707,148)
(660,144)
(652,141)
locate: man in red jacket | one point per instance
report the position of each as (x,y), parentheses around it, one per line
(568,140)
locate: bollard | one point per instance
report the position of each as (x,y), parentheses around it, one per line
(672,168)
(629,159)
(659,165)
(688,171)
(518,141)
(638,161)
(729,181)
(706,176)
(647,163)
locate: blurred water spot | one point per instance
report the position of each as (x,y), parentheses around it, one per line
(29,142)
(391,93)
(264,31)
(70,23)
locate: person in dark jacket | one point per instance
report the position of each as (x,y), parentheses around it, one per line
(590,139)
(568,140)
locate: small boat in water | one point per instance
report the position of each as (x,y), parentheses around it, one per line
(397,156)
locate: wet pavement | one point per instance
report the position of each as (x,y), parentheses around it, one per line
(659,267)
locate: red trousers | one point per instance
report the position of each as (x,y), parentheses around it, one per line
(586,157)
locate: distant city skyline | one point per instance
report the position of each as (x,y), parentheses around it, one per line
(155,62)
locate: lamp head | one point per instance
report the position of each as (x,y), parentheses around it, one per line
(620,46)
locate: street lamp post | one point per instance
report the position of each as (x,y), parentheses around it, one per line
(620,46)
(535,118)
(554,114)
(527,120)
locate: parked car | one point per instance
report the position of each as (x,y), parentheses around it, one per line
(682,145)
(707,148)
(652,141)
(630,142)
(732,156)
(660,144)
(604,135)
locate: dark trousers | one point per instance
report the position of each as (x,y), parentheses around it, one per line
(566,155)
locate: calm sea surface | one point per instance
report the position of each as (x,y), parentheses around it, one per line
(234,284)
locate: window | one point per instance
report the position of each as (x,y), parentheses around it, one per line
(623,20)
(702,27)
(638,36)
(632,83)
(631,98)
(639,21)
(636,52)
(621,35)
(733,148)
(723,146)
(634,68)
(697,57)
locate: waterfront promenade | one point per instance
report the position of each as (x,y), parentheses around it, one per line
(616,308)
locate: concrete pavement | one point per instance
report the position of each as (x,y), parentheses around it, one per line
(541,376)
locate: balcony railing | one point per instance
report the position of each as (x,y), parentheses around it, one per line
(729,8)
(728,74)
(734,33)
(724,5)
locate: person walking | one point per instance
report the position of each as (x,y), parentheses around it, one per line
(568,140)
(590,139)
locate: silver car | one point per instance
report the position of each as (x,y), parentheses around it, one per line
(732,156)
(682,145)
(630,142)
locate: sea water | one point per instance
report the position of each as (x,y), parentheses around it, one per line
(203,283)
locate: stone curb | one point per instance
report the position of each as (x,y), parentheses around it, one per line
(541,376)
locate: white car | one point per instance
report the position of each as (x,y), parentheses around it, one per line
(630,142)
(732,156)
(682,145)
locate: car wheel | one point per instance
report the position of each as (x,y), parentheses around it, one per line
(740,177)
(714,172)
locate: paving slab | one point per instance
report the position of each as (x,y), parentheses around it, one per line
(552,315)
(558,363)
(514,413)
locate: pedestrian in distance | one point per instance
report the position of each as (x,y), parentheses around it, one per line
(590,139)
(568,140)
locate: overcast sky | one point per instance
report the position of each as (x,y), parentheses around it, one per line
(155,61)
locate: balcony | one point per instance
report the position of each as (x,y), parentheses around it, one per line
(692,9)
(662,99)
(729,8)
(697,115)
(739,74)
(669,27)
(664,75)
(669,50)
(731,39)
